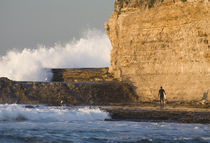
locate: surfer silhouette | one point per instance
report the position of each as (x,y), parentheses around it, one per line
(162,95)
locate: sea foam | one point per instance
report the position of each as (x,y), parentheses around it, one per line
(91,50)
(14,112)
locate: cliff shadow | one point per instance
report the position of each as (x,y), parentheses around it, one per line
(133,87)
(58,75)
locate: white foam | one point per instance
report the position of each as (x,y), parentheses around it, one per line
(206,138)
(196,128)
(12,112)
(183,138)
(92,50)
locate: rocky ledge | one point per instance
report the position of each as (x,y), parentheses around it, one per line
(181,114)
(66,93)
(81,74)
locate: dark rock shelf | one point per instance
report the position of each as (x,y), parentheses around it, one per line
(66,93)
(159,114)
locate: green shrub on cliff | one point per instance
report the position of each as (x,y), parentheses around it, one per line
(151,3)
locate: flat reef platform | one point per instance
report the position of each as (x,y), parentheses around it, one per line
(172,112)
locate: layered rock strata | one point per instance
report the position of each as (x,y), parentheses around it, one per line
(81,74)
(65,93)
(162,43)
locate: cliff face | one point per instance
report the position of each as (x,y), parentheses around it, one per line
(162,43)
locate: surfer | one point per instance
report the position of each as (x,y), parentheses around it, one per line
(162,95)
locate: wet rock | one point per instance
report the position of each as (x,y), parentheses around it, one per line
(139,114)
(66,93)
(29,106)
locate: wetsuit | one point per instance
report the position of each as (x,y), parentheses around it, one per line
(161,93)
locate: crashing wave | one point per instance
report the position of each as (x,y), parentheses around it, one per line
(91,50)
(15,112)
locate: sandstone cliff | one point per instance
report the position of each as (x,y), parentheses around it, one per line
(162,43)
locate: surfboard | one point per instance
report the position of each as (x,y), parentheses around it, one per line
(164,95)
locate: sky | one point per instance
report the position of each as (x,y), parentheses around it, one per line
(28,23)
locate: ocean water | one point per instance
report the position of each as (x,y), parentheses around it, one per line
(48,124)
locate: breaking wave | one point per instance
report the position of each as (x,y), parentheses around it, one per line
(14,112)
(92,50)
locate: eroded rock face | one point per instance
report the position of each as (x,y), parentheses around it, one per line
(162,43)
(66,93)
(82,74)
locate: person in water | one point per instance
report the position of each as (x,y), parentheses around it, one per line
(162,93)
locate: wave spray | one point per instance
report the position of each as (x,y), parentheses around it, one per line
(92,50)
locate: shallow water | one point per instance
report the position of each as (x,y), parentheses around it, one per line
(46,124)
